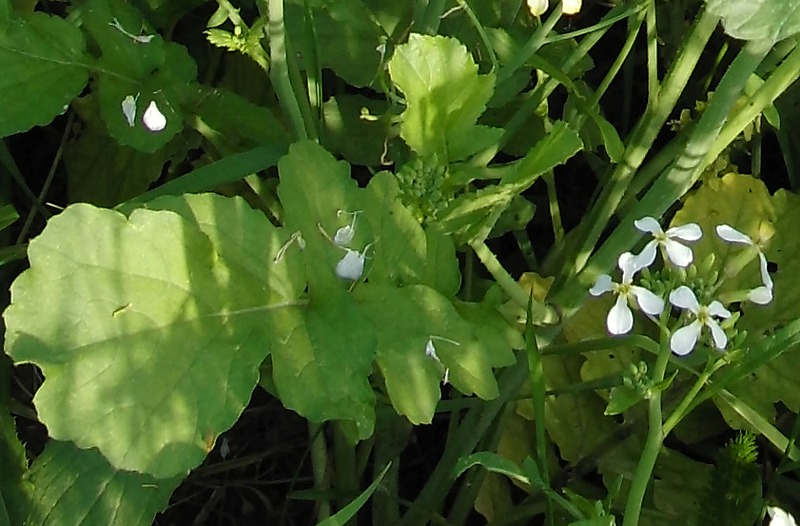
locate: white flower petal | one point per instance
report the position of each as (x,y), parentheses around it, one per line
(646,257)
(687,232)
(630,264)
(351,266)
(537,7)
(766,279)
(153,119)
(430,350)
(760,295)
(647,300)
(684,298)
(129,109)
(570,7)
(602,285)
(648,224)
(679,254)
(344,236)
(683,340)
(720,339)
(620,317)
(730,234)
(780,517)
(715,308)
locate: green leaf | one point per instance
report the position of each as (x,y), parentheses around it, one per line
(358,140)
(227,170)
(313,189)
(341,517)
(237,123)
(42,58)
(78,487)
(8,216)
(117,172)
(321,368)
(621,399)
(440,121)
(556,148)
(149,329)
(346,37)
(139,72)
(15,491)
(757,20)
(492,462)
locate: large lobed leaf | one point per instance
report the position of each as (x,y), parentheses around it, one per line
(149,329)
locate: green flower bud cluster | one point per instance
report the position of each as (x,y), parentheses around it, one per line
(423,188)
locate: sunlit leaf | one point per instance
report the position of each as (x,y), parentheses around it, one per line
(151,340)
(439,121)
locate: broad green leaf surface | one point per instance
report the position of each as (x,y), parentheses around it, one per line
(406,318)
(757,19)
(322,369)
(237,124)
(43,60)
(103,172)
(554,149)
(78,487)
(440,121)
(151,337)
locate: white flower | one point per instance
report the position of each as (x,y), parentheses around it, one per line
(620,317)
(570,7)
(684,339)
(153,119)
(779,517)
(678,253)
(763,294)
(345,234)
(538,7)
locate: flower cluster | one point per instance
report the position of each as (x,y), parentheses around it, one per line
(671,242)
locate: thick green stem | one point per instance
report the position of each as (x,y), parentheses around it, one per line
(319,465)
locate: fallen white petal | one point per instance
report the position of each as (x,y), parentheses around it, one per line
(430,350)
(620,317)
(679,254)
(647,300)
(351,266)
(720,339)
(648,224)
(687,232)
(129,109)
(684,298)
(683,340)
(153,119)
(730,234)
(602,285)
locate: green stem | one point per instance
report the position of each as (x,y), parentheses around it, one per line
(655,434)
(685,405)
(279,69)
(542,314)
(319,466)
